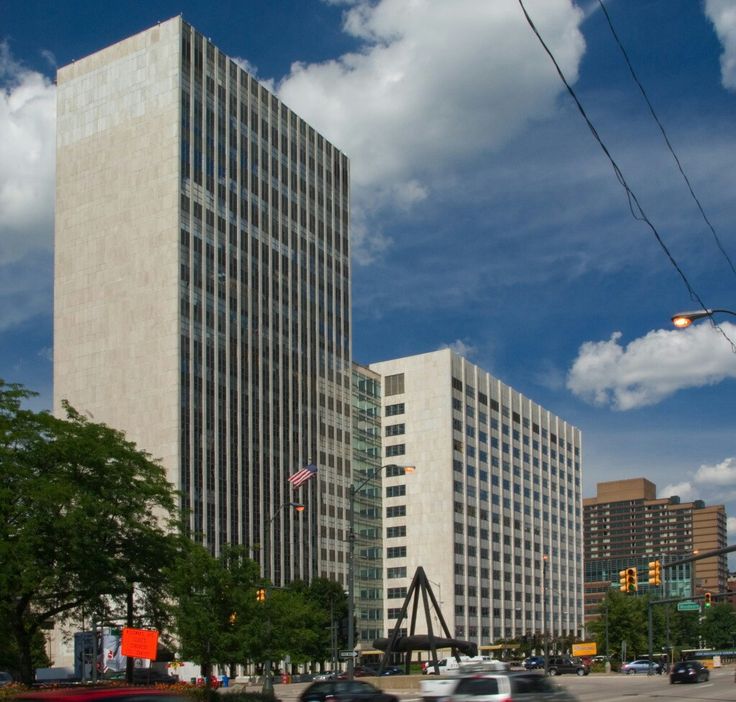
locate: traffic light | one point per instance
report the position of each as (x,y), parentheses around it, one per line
(655,573)
(708,599)
(622,580)
(261,594)
(632,581)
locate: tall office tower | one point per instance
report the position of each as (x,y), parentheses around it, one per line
(493,511)
(627,525)
(367,528)
(202,289)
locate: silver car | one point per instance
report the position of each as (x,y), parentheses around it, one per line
(641,665)
(526,686)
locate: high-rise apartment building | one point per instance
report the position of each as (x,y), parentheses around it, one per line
(627,525)
(493,510)
(202,289)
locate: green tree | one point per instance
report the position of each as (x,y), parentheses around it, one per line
(627,621)
(215,605)
(718,627)
(330,604)
(84,517)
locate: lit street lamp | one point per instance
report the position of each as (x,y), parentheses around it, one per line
(684,319)
(298,507)
(354,489)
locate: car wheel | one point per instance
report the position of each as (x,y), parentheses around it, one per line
(580,672)
(553,671)
(630,671)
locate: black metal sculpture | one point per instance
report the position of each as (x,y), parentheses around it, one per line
(397,643)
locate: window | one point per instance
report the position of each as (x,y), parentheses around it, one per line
(393,410)
(396,450)
(396,552)
(392,471)
(394,593)
(395,532)
(394,384)
(397,511)
(393,573)
(395,429)
(395,490)
(393,613)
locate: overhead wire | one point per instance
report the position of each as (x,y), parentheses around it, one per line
(637,210)
(665,136)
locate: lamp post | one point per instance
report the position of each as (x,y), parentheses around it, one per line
(545,561)
(298,507)
(684,319)
(354,489)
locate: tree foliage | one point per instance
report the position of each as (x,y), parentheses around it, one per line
(215,605)
(83,516)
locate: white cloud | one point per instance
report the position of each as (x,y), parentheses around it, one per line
(651,368)
(27,158)
(685,491)
(461,348)
(731,528)
(722,13)
(433,83)
(723,473)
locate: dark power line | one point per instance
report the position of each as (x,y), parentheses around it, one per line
(666,138)
(637,211)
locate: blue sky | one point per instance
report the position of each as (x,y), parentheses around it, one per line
(485,215)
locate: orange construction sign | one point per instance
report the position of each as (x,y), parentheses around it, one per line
(139,643)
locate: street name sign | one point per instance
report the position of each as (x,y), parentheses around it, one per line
(348,654)
(688,606)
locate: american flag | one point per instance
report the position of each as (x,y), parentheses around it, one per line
(301,476)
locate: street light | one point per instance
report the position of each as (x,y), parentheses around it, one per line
(354,489)
(684,319)
(298,507)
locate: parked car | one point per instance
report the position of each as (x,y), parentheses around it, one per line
(640,665)
(345,691)
(5,678)
(428,667)
(558,665)
(145,676)
(359,671)
(325,675)
(509,687)
(534,662)
(392,670)
(689,671)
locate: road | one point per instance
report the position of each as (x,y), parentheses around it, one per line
(600,688)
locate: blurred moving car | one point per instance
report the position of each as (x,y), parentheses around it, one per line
(428,667)
(359,671)
(325,675)
(689,671)
(145,676)
(534,662)
(640,665)
(345,691)
(514,686)
(392,670)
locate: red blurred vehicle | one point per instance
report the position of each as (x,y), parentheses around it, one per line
(114,694)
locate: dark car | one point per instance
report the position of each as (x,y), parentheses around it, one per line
(145,676)
(689,671)
(392,670)
(5,678)
(345,691)
(359,671)
(558,665)
(534,662)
